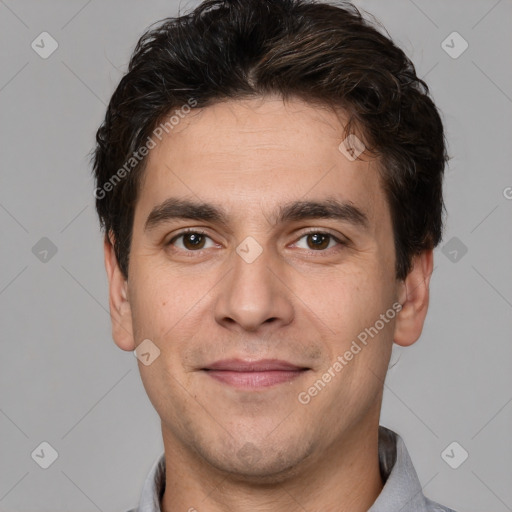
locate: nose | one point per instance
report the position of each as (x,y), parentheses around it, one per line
(255,294)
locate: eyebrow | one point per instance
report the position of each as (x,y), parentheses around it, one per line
(330,208)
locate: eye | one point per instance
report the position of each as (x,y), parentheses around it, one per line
(196,241)
(320,241)
(192,240)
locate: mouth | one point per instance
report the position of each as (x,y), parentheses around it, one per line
(254,374)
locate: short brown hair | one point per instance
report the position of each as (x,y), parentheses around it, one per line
(319,52)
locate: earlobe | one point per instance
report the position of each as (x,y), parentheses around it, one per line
(120,310)
(414,298)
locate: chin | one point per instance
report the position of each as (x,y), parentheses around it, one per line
(260,465)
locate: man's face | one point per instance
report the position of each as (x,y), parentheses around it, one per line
(281,293)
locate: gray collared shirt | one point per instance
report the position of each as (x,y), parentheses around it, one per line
(402,490)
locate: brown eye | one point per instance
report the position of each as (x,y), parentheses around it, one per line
(319,241)
(191,240)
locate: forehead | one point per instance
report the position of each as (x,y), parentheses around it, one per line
(248,153)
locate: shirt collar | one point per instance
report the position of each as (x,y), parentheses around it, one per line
(402,490)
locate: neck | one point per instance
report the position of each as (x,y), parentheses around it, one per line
(344,478)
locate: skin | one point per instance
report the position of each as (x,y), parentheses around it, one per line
(232,449)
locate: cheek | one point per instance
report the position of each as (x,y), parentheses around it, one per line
(161,300)
(350,295)
(354,304)
(175,312)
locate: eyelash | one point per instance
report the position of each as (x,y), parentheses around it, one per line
(341,243)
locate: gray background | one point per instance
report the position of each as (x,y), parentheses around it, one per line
(64,381)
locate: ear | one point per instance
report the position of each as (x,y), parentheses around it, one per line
(414,297)
(120,311)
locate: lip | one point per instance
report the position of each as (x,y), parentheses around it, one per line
(253,374)
(262,365)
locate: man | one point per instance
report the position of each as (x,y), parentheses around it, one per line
(269,179)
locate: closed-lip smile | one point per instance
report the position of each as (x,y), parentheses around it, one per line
(247,374)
